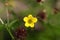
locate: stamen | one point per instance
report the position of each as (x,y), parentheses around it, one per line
(29,21)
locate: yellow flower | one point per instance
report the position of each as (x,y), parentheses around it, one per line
(30,21)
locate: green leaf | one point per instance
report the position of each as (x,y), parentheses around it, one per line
(11,23)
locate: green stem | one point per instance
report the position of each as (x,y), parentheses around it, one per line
(10,33)
(7,26)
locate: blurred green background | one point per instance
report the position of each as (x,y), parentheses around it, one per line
(12,15)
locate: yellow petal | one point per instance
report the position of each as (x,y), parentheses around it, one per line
(30,16)
(25,19)
(34,20)
(26,24)
(32,25)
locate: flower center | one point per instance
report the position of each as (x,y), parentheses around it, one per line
(29,21)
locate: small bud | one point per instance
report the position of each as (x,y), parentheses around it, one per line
(20,33)
(55,10)
(6,4)
(41,15)
(38,0)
